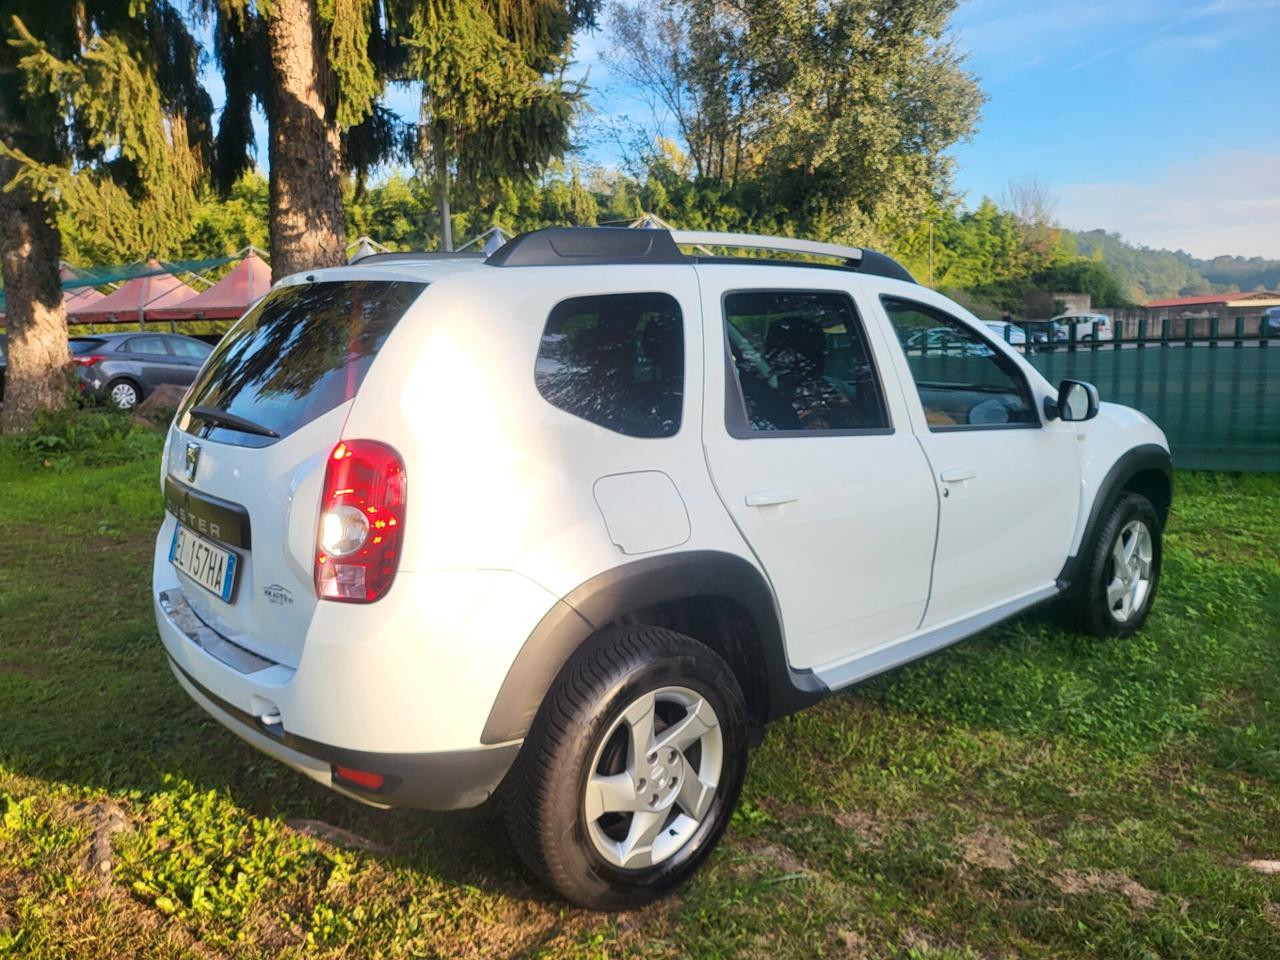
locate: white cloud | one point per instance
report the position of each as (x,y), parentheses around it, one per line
(1224,203)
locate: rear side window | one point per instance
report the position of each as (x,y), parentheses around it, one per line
(302,351)
(802,364)
(617,361)
(191,349)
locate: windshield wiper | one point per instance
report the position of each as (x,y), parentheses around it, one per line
(224,419)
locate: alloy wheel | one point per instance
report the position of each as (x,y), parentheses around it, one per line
(654,777)
(1128,572)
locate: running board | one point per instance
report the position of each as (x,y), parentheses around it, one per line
(904,651)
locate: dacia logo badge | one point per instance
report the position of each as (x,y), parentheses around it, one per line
(193,458)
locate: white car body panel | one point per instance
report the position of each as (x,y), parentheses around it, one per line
(513,504)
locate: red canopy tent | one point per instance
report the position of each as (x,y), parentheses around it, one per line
(135,300)
(81,297)
(227,299)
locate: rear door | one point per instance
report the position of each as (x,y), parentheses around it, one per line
(153,362)
(250,443)
(815,460)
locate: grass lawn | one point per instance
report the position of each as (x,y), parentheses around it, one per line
(1028,793)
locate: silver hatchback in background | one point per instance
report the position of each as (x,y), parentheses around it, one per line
(124,368)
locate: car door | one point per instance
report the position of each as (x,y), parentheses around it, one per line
(190,356)
(154,364)
(1008,481)
(815,460)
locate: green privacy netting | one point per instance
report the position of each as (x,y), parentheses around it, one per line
(76,278)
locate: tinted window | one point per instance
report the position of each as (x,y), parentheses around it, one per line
(802,362)
(191,349)
(151,346)
(616,360)
(962,381)
(302,351)
(82,345)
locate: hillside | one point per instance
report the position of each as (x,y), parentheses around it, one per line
(1150,274)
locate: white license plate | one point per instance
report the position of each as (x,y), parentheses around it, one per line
(210,566)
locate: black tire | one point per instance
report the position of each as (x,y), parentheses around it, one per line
(122,383)
(1087,604)
(545,795)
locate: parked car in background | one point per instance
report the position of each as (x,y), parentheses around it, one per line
(1008,332)
(1270,326)
(1045,331)
(580,518)
(123,368)
(1088,326)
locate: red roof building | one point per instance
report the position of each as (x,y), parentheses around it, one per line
(1258,298)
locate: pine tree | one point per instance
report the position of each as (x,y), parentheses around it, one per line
(101,113)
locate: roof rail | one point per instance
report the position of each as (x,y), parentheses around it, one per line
(614,245)
(418,255)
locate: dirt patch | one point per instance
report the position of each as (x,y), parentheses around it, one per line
(1271,913)
(337,836)
(1075,882)
(1266,867)
(22,669)
(105,820)
(870,827)
(988,849)
(769,858)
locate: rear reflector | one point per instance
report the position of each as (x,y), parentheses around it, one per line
(361,516)
(359,778)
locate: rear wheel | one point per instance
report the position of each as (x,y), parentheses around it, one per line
(123,394)
(1118,583)
(631,769)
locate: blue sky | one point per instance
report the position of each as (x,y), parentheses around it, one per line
(1157,119)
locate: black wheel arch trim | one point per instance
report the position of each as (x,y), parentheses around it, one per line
(1140,459)
(624,590)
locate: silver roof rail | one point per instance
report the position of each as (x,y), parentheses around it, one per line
(749,241)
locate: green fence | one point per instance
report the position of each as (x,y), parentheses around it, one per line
(1216,397)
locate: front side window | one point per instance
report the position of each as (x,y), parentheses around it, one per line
(802,364)
(962,381)
(616,360)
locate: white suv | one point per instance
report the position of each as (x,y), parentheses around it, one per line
(1087,326)
(572,523)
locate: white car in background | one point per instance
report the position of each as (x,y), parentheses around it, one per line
(1008,332)
(1088,326)
(573,522)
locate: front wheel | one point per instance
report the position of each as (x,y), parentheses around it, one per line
(1118,583)
(631,770)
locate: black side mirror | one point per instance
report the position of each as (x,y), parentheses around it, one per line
(1076,401)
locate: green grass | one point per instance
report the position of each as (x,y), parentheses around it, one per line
(1027,793)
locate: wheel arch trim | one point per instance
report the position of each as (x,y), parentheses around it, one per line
(1144,458)
(630,587)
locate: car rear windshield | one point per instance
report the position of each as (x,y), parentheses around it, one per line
(82,345)
(302,351)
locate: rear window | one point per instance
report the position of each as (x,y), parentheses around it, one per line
(82,345)
(302,351)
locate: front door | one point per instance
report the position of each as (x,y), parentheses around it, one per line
(815,460)
(1008,481)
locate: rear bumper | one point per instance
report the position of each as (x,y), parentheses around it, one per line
(431,781)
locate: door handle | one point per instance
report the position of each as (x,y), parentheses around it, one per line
(956,475)
(771,498)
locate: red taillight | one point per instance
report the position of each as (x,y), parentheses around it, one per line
(361,516)
(360,778)
(88,361)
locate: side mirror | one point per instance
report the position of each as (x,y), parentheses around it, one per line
(1077,401)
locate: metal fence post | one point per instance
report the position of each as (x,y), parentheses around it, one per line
(1142,333)
(1164,331)
(1239,341)
(1213,331)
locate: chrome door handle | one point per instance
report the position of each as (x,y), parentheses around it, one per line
(956,475)
(771,498)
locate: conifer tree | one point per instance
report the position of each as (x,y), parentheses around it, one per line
(101,112)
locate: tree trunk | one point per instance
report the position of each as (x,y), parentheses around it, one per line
(307,226)
(442,190)
(35,321)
